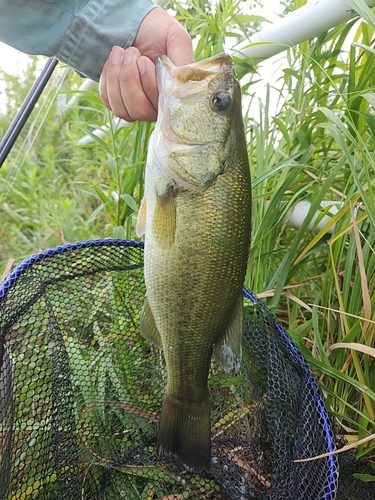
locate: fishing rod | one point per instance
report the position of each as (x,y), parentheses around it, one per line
(28,105)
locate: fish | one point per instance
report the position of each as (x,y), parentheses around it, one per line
(195,218)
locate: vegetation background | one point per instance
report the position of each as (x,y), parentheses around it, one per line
(316,145)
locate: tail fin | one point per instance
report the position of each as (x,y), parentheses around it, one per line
(184,429)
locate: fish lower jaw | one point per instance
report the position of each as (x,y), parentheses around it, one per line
(174,145)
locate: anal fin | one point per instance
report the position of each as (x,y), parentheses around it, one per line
(148,327)
(140,228)
(228,350)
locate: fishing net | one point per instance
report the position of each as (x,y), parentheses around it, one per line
(81,391)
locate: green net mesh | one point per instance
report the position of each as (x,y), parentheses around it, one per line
(81,391)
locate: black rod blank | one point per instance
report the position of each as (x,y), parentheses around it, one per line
(25,110)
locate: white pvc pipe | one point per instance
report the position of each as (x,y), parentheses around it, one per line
(298,213)
(86,85)
(307,22)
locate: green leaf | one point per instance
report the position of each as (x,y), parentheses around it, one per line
(130,201)
(365,478)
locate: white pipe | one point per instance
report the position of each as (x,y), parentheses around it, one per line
(63,104)
(86,85)
(307,22)
(298,213)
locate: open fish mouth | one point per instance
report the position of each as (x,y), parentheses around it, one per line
(200,70)
(191,79)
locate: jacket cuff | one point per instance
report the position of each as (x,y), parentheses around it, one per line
(101,25)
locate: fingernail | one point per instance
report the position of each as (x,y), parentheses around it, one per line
(116,55)
(129,54)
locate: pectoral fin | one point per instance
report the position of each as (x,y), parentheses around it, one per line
(140,228)
(148,326)
(164,220)
(228,350)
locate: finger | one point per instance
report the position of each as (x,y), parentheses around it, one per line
(160,33)
(138,106)
(113,95)
(179,45)
(103,86)
(147,75)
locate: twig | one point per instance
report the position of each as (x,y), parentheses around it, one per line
(227,421)
(342,312)
(245,466)
(341,450)
(7,269)
(147,414)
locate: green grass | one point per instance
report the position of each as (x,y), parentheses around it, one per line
(322,285)
(317,146)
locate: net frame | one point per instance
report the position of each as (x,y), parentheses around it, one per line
(294,357)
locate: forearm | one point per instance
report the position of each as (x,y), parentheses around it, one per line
(80,33)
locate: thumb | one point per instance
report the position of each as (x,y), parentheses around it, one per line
(179,46)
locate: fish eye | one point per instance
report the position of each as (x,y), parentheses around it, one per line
(220,101)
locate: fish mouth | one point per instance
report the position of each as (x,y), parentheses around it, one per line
(198,71)
(191,79)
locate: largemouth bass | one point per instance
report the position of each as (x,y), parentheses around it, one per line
(196,220)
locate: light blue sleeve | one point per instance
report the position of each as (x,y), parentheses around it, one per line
(80,33)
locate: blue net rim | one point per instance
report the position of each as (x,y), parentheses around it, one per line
(51,252)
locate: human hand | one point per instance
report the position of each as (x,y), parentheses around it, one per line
(128,80)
